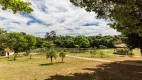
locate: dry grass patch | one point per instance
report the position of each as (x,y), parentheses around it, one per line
(39,68)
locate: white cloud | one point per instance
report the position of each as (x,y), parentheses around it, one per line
(66,19)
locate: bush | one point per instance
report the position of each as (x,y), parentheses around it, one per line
(102,47)
(14,56)
(123,51)
(102,54)
(27,53)
(93,53)
(131,54)
(98,53)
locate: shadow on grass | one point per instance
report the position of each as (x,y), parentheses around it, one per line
(47,64)
(107,71)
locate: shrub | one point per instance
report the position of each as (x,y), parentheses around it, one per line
(102,47)
(102,54)
(27,53)
(123,51)
(93,53)
(131,54)
(14,56)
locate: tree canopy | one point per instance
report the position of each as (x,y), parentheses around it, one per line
(126,15)
(16,5)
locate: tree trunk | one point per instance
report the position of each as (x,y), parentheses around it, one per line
(62,59)
(8,55)
(51,59)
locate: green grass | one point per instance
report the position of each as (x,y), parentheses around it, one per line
(39,68)
(109,55)
(137,52)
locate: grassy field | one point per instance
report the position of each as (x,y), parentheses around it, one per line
(39,68)
(108,52)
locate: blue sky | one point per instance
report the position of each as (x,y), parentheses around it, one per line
(58,15)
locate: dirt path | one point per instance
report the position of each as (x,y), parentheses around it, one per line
(101,60)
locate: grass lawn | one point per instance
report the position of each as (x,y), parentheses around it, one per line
(110,55)
(39,68)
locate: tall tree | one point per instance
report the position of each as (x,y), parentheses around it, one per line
(126,15)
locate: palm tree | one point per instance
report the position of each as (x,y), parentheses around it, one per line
(51,54)
(62,55)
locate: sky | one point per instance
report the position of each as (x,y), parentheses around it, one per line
(60,16)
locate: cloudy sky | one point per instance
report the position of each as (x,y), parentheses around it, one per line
(55,15)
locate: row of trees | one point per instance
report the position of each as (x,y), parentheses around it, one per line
(125,15)
(19,41)
(84,41)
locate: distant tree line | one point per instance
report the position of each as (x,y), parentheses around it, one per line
(20,41)
(84,41)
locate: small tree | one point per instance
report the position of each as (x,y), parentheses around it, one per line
(62,55)
(51,54)
(93,53)
(27,52)
(14,56)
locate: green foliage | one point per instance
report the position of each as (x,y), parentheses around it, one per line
(98,53)
(27,52)
(51,54)
(125,15)
(82,41)
(131,54)
(16,5)
(48,44)
(50,36)
(20,41)
(93,53)
(14,56)
(123,51)
(62,55)
(17,41)
(102,54)
(102,47)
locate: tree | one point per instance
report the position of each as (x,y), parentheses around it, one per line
(62,55)
(48,44)
(31,40)
(135,38)
(50,36)
(51,54)
(17,41)
(69,42)
(16,5)
(126,15)
(82,41)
